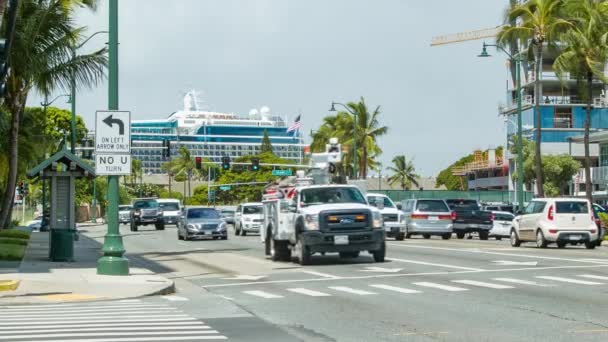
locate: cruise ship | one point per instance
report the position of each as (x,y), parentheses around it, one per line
(212,135)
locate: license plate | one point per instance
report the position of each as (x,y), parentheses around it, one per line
(433,218)
(575,237)
(341,240)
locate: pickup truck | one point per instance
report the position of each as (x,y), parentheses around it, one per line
(470,218)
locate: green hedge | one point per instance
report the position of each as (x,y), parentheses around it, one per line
(13,233)
(11,252)
(13,241)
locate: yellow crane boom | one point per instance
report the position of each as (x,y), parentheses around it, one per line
(465,36)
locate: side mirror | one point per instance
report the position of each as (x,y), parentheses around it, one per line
(399,206)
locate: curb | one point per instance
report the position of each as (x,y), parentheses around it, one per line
(9,285)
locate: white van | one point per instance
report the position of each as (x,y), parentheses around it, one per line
(392,216)
(248,218)
(172,210)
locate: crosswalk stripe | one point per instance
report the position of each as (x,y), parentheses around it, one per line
(441,287)
(307,292)
(519,281)
(97,314)
(262,294)
(351,290)
(50,317)
(76,334)
(101,325)
(74,311)
(591,276)
(107,327)
(482,284)
(82,307)
(116,319)
(175,298)
(394,288)
(569,280)
(147,339)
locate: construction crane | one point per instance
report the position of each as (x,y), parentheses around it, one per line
(466,36)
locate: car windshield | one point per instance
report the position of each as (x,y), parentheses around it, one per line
(318,196)
(571,207)
(248,210)
(463,204)
(170,206)
(124,207)
(373,200)
(203,213)
(432,206)
(145,205)
(227,212)
(503,217)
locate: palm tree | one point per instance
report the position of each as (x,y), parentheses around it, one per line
(540,23)
(404,173)
(136,171)
(584,56)
(168,167)
(40,58)
(184,167)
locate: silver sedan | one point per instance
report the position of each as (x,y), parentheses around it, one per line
(201,223)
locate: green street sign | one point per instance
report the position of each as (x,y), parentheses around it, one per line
(281,172)
(225,187)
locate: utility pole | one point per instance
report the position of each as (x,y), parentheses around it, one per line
(113,262)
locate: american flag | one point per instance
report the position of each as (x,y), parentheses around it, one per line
(296,125)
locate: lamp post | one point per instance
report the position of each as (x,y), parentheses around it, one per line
(520,159)
(354,114)
(73,94)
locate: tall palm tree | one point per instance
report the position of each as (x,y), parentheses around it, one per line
(136,171)
(404,173)
(540,23)
(40,59)
(584,56)
(168,167)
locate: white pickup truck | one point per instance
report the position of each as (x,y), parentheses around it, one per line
(321,219)
(392,216)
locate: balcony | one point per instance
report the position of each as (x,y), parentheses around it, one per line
(528,100)
(599,175)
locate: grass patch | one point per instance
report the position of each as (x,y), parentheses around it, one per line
(15,234)
(11,252)
(13,241)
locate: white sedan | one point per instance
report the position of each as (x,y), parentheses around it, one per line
(502,224)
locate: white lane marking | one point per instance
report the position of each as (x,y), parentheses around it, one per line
(351,290)
(85,307)
(308,292)
(129,301)
(54,336)
(115,320)
(75,311)
(63,317)
(245,277)
(591,276)
(381,269)
(483,284)
(515,263)
(108,327)
(262,294)
(441,286)
(434,264)
(319,274)
(146,339)
(226,297)
(519,281)
(112,324)
(175,298)
(570,280)
(394,288)
(174,312)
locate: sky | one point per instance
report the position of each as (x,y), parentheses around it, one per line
(297,56)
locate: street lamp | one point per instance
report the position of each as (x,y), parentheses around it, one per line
(354,114)
(73,93)
(520,163)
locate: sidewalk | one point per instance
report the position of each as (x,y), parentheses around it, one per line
(42,281)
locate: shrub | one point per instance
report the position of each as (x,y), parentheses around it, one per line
(13,241)
(10,252)
(13,233)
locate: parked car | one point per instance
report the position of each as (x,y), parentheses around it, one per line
(428,217)
(248,218)
(124,214)
(502,224)
(146,211)
(597,209)
(499,207)
(392,217)
(228,215)
(201,223)
(172,210)
(35,224)
(470,218)
(556,220)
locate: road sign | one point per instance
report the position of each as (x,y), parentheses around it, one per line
(112,165)
(225,187)
(281,172)
(112,132)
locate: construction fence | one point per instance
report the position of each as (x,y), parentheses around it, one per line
(482,196)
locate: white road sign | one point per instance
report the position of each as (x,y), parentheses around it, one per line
(112,165)
(112,132)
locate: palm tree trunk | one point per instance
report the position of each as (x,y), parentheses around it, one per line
(538,122)
(364,166)
(588,184)
(169,183)
(11,182)
(189,184)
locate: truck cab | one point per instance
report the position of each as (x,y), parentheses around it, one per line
(392,216)
(321,219)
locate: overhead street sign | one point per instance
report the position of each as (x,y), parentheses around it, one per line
(281,172)
(112,132)
(225,187)
(112,165)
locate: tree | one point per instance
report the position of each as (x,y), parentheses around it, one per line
(584,56)
(41,58)
(540,22)
(266,144)
(404,173)
(184,166)
(136,171)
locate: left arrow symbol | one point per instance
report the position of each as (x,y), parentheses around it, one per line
(110,121)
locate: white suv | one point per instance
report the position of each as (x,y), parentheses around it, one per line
(392,216)
(248,218)
(555,220)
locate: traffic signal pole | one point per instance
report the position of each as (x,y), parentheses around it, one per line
(113,262)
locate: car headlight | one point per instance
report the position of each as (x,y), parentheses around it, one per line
(221,227)
(311,222)
(401,218)
(191,227)
(377,219)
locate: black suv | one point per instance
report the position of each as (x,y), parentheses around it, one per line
(146,211)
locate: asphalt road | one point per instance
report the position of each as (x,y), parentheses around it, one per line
(427,290)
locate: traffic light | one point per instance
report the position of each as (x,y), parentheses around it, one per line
(199,163)
(255,164)
(225,163)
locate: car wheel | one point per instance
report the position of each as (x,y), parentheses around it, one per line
(515,241)
(303,253)
(400,236)
(133,227)
(186,237)
(237,231)
(243,232)
(408,236)
(446,236)
(159,226)
(426,236)
(225,237)
(590,244)
(483,235)
(598,242)
(498,238)
(540,239)
(179,236)
(349,255)
(380,254)
(460,235)
(561,244)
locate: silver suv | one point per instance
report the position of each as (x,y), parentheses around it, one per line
(146,211)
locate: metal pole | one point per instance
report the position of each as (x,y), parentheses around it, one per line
(73,101)
(45,105)
(208,184)
(380,177)
(113,262)
(355,147)
(94,215)
(520,153)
